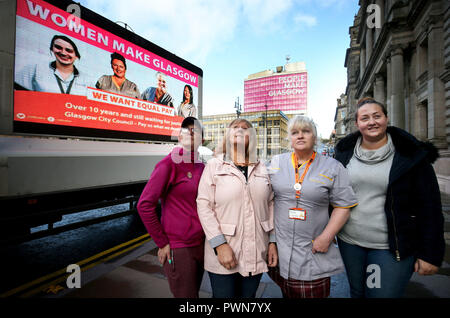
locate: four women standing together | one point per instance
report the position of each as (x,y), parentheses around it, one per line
(385,209)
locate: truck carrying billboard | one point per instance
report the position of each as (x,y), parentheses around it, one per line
(87,109)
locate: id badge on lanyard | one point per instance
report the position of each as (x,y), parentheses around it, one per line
(299,213)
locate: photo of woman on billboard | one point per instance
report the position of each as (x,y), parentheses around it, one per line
(187,107)
(117,83)
(159,93)
(60,75)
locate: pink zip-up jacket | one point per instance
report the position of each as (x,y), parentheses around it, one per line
(175,181)
(236,211)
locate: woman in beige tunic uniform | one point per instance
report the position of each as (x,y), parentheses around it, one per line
(305,183)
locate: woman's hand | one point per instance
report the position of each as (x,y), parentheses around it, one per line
(272,255)
(424,268)
(226,256)
(337,220)
(321,243)
(164,253)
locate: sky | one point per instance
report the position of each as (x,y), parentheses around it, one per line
(231,39)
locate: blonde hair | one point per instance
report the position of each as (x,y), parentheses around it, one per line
(300,122)
(250,148)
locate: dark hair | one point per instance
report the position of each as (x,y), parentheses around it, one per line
(191,121)
(191,99)
(369,100)
(65,38)
(117,56)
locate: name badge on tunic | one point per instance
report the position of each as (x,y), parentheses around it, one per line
(297,214)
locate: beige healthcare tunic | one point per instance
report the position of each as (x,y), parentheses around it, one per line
(326,182)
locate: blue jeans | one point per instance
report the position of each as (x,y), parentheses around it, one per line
(374,273)
(234,285)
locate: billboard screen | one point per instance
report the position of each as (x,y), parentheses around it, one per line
(84,75)
(287,92)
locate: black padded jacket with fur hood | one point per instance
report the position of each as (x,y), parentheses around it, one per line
(413,203)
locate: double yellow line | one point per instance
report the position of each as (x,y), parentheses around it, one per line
(43,283)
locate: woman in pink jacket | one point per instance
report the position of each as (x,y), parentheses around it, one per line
(179,234)
(235,207)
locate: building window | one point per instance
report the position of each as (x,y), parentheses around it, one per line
(422,122)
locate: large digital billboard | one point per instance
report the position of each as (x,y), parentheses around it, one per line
(84,75)
(287,92)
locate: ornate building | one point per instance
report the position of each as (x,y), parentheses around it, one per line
(340,126)
(400,54)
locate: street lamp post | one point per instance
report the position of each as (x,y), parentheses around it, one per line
(265,133)
(238,107)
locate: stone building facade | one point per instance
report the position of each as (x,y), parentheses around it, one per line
(340,126)
(400,54)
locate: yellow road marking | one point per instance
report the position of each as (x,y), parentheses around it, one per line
(63,278)
(62,271)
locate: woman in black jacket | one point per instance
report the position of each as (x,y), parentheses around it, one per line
(397,228)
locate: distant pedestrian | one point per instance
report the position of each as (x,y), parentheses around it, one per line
(305,183)
(398,224)
(236,211)
(179,235)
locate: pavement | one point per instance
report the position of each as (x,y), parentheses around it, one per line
(139,275)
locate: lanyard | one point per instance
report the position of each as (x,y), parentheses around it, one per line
(60,85)
(299,180)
